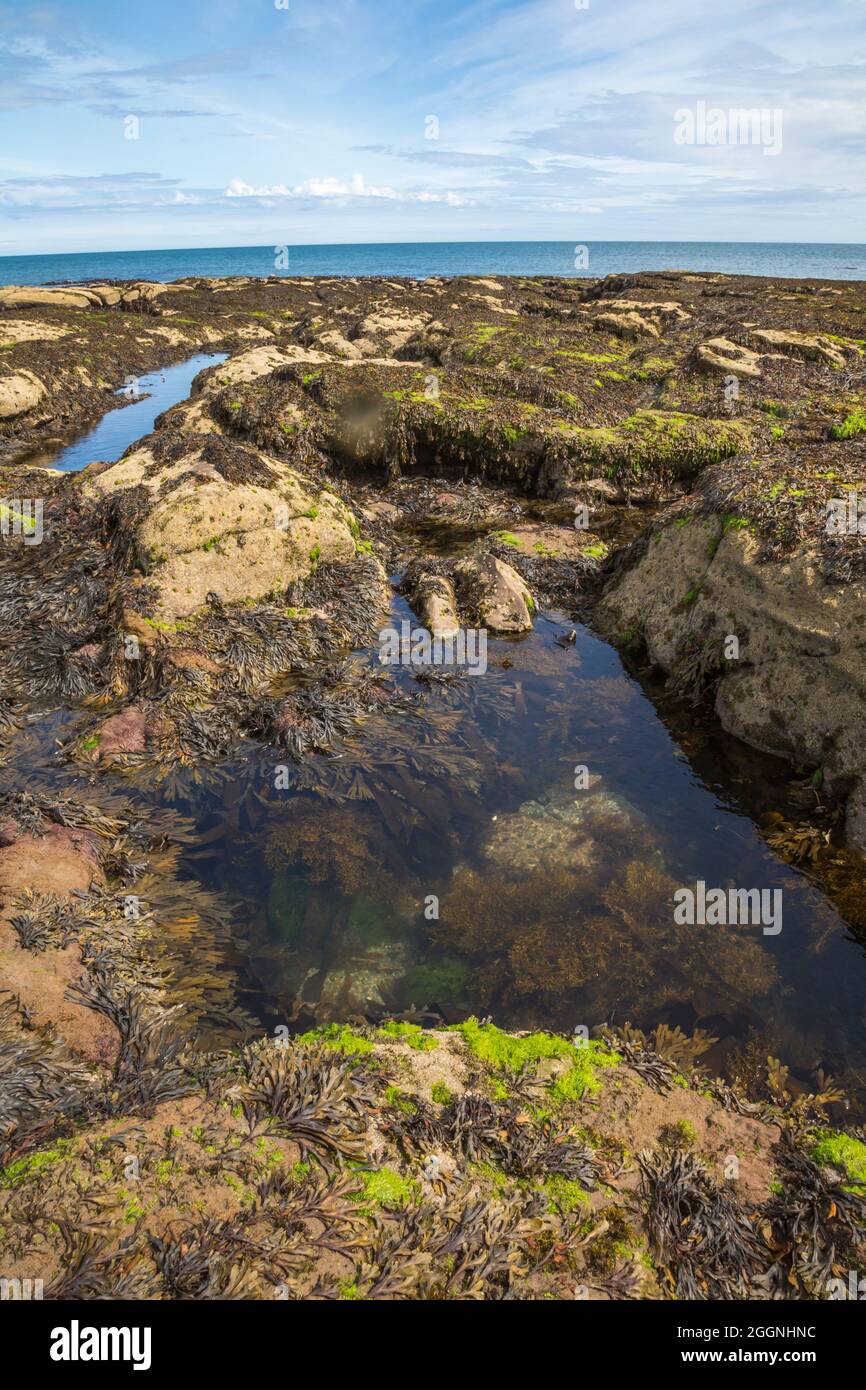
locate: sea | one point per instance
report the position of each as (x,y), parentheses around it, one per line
(786,260)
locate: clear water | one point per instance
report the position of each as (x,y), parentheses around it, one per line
(554,906)
(787,259)
(550,914)
(144,398)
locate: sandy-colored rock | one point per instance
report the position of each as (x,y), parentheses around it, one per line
(396,328)
(721,355)
(664,308)
(27,331)
(60,862)
(437,605)
(629,325)
(797,688)
(261,361)
(19,392)
(810,347)
(496,592)
(26,296)
(239,540)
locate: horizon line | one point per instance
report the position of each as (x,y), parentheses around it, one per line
(310,245)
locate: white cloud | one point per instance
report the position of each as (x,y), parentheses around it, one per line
(331,187)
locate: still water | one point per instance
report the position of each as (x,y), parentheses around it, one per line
(142,398)
(443,859)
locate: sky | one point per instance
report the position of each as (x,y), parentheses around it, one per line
(182,123)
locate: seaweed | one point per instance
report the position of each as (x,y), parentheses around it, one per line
(41,1087)
(311,1095)
(816,1225)
(698,1234)
(149,1067)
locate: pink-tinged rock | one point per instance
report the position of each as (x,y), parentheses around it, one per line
(123,733)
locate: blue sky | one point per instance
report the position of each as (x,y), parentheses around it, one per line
(309,121)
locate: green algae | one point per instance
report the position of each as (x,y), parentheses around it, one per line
(338,1036)
(840,1151)
(652,440)
(394,1096)
(507,1053)
(24,1169)
(852,425)
(373,923)
(288,900)
(385,1188)
(444,980)
(679,1135)
(563,1195)
(409,1033)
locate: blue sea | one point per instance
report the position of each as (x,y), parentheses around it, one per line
(792,260)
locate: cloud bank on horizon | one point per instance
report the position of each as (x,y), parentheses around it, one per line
(248,122)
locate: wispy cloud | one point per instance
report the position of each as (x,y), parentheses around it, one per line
(340,191)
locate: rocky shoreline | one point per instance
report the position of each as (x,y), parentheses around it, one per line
(654,454)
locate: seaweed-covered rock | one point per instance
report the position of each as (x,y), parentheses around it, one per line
(437,604)
(791,681)
(203,530)
(492,589)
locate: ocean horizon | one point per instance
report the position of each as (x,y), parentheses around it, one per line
(784,260)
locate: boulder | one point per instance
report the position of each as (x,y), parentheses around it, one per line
(30,296)
(125,732)
(630,325)
(721,355)
(797,688)
(437,605)
(239,540)
(19,392)
(496,592)
(809,347)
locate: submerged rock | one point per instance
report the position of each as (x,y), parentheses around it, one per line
(561,831)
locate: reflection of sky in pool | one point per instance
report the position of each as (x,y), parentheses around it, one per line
(150,395)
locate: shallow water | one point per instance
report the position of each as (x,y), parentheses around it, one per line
(148,396)
(554,905)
